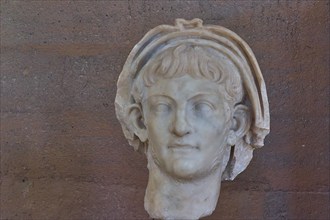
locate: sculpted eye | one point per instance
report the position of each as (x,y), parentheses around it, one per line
(161,108)
(203,108)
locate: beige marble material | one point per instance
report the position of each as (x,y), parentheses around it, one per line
(193,99)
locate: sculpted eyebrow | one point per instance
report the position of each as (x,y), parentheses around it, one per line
(161,97)
(206,96)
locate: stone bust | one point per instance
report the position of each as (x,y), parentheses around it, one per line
(193,99)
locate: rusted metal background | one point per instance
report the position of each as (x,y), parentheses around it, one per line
(63,154)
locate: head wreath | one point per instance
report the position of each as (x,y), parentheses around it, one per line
(231,45)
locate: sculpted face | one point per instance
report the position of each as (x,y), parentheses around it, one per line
(192,97)
(187,122)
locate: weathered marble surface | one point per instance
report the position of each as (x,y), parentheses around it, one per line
(192,97)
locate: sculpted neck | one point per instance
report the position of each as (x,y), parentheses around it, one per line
(167,198)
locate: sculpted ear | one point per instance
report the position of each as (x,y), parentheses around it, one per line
(136,119)
(241,123)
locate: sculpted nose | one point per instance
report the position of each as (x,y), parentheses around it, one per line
(180,125)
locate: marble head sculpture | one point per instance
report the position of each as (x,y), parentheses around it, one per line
(192,97)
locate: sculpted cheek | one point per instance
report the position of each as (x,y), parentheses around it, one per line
(213,125)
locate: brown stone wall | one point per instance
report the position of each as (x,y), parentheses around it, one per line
(63,154)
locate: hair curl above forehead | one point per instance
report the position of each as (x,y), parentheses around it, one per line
(197,61)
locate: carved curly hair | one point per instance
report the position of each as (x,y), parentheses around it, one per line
(196,61)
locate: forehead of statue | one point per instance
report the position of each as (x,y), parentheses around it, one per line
(183,89)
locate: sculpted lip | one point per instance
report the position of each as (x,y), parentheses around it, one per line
(183,146)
